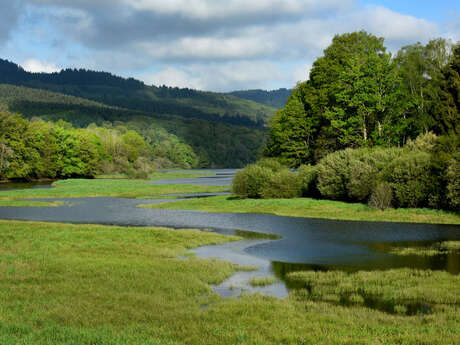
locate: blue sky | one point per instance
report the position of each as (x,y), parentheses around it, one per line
(207,44)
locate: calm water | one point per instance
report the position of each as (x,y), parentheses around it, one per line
(295,244)
(5,186)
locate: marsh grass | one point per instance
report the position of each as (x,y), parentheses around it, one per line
(92,285)
(262,281)
(313,208)
(441,248)
(402,291)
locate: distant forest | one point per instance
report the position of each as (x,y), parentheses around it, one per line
(135,95)
(274,98)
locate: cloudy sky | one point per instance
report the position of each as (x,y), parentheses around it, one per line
(217,45)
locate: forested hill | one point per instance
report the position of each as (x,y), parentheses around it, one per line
(172,139)
(135,95)
(273,98)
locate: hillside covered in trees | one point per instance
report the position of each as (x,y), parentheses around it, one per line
(173,139)
(133,94)
(274,98)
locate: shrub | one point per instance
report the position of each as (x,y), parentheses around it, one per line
(381,196)
(137,174)
(283,184)
(271,163)
(333,174)
(453,182)
(410,178)
(248,182)
(424,142)
(307,176)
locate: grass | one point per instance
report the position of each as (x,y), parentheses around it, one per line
(30,203)
(262,281)
(441,248)
(313,208)
(123,188)
(87,284)
(399,291)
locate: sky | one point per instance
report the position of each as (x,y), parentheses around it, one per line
(209,45)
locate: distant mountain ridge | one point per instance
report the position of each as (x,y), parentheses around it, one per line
(274,98)
(129,93)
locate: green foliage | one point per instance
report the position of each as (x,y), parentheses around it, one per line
(410,178)
(448,119)
(425,142)
(307,176)
(333,175)
(271,163)
(381,196)
(357,95)
(453,182)
(283,184)
(173,141)
(250,181)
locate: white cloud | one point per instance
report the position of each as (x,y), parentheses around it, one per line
(172,76)
(214,44)
(36,66)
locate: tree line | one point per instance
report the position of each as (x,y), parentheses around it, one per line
(215,144)
(359,95)
(37,149)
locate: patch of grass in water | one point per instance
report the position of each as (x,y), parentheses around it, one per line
(256,235)
(440,248)
(399,291)
(262,281)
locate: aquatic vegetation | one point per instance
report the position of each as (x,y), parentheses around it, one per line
(397,291)
(440,248)
(262,281)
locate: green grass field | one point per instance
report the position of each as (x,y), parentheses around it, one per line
(123,188)
(89,284)
(312,208)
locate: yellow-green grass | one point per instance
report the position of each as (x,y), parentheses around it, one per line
(74,188)
(398,291)
(312,208)
(30,203)
(444,247)
(262,281)
(87,284)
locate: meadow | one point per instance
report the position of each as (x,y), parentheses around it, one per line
(92,284)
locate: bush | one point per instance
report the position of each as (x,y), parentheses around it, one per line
(352,174)
(424,142)
(271,163)
(137,174)
(248,182)
(283,184)
(410,178)
(453,182)
(307,176)
(333,174)
(381,196)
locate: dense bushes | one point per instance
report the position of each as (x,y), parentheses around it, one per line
(424,173)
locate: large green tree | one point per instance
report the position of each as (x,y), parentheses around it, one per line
(350,100)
